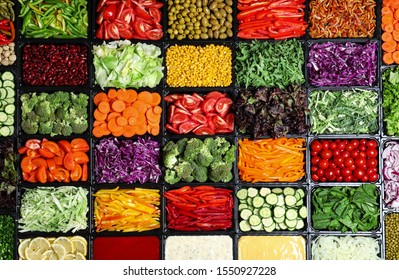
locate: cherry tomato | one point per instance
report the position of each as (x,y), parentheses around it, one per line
(320,173)
(323,164)
(315,177)
(314,154)
(360,162)
(354,153)
(341,146)
(325,145)
(362,154)
(349,162)
(345,154)
(355,143)
(323,179)
(333,146)
(326,154)
(339,160)
(332,165)
(313,169)
(372,144)
(336,153)
(346,172)
(358,173)
(348,178)
(352,167)
(363,142)
(362,148)
(329,173)
(315,146)
(339,179)
(364,178)
(349,147)
(372,152)
(337,172)
(371,162)
(373,177)
(315,160)
(369,171)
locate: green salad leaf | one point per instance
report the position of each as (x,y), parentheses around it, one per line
(390,105)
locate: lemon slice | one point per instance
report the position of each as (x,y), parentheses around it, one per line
(59,250)
(80,246)
(46,255)
(69,257)
(22,247)
(51,239)
(66,243)
(79,256)
(32,255)
(78,237)
(53,256)
(39,245)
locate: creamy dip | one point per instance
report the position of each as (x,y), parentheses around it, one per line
(199,247)
(271,248)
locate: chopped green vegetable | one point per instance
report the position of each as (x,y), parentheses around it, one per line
(346,208)
(265,64)
(6,237)
(54,209)
(344,111)
(122,65)
(58,113)
(8,173)
(390,104)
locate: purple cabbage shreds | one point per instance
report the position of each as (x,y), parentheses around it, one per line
(338,64)
(127,161)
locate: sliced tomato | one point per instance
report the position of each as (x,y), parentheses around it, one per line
(25,176)
(76,174)
(110,12)
(127,16)
(59,161)
(210,123)
(32,178)
(187,127)
(171,112)
(65,145)
(204,131)
(105,28)
(41,175)
(52,147)
(199,118)
(155,14)
(39,162)
(61,174)
(100,32)
(190,102)
(182,111)
(100,16)
(32,153)
(180,118)
(100,5)
(69,162)
(79,145)
(196,111)
(51,164)
(113,31)
(46,153)
(208,105)
(220,131)
(172,97)
(172,129)
(199,97)
(140,11)
(121,25)
(215,94)
(223,106)
(80,157)
(219,122)
(33,144)
(126,34)
(50,177)
(26,165)
(22,150)
(85,172)
(230,121)
(155,34)
(175,125)
(141,28)
(179,103)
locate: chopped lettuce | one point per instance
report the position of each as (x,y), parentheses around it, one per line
(120,64)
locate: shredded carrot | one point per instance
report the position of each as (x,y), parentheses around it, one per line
(271,160)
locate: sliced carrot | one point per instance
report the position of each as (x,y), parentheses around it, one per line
(118,132)
(145,96)
(395,5)
(395,56)
(122,121)
(128,131)
(122,94)
(387,58)
(140,106)
(101,96)
(105,129)
(141,129)
(388,27)
(387,3)
(152,117)
(387,19)
(112,93)
(389,46)
(104,107)
(99,116)
(128,104)
(118,106)
(386,36)
(153,124)
(97,123)
(154,130)
(130,112)
(396,26)
(386,11)
(139,120)
(155,99)
(132,95)
(157,110)
(113,126)
(97,132)
(113,115)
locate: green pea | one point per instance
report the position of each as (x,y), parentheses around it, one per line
(213,5)
(222,29)
(204,21)
(229,2)
(228,9)
(199,3)
(206,10)
(204,36)
(199,10)
(221,5)
(179,16)
(197,36)
(229,18)
(228,24)
(229,32)
(216,34)
(223,36)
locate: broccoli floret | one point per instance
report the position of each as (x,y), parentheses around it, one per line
(222,145)
(230,155)
(200,173)
(31,116)
(221,172)
(61,113)
(181,144)
(171,177)
(184,170)
(62,96)
(77,112)
(170,155)
(168,147)
(29,102)
(46,127)
(43,109)
(211,144)
(79,125)
(188,179)
(204,157)
(29,127)
(193,147)
(57,128)
(43,96)
(67,130)
(79,100)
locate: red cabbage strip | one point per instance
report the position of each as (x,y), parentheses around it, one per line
(127,161)
(390,158)
(338,64)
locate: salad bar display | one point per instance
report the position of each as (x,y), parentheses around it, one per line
(199,129)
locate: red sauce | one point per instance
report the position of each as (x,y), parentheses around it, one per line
(127,248)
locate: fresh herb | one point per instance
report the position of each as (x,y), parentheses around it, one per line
(271,111)
(343,111)
(193,159)
(58,113)
(390,103)
(49,209)
(8,173)
(346,208)
(264,64)
(6,237)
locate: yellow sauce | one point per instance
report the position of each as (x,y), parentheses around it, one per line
(271,248)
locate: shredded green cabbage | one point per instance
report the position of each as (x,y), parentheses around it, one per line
(54,209)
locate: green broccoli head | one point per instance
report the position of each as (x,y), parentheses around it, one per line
(200,173)
(222,145)
(193,147)
(29,102)
(188,179)
(79,125)
(184,170)
(43,109)
(29,127)
(67,130)
(204,157)
(77,112)
(31,116)
(61,113)
(171,177)
(46,127)
(221,172)
(230,155)
(181,145)
(170,153)
(79,100)
(57,128)
(61,96)
(43,96)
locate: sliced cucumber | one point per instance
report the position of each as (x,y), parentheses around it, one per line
(291,224)
(249,200)
(9,84)
(256,211)
(258,201)
(258,227)
(5,131)
(279,219)
(254,220)
(3,117)
(3,93)
(270,228)
(277,227)
(277,190)
(280,200)
(245,214)
(7,76)
(9,109)
(290,200)
(242,194)
(267,222)
(289,191)
(283,226)
(252,192)
(10,92)
(264,191)
(299,224)
(279,212)
(265,212)
(10,120)
(271,199)
(291,214)
(299,203)
(303,212)
(301,193)
(242,206)
(10,100)
(245,226)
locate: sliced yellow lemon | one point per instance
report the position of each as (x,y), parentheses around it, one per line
(59,250)
(66,243)
(69,257)
(79,256)
(51,239)
(39,245)
(53,256)
(78,237)
(46,255)
(32,255)
(22,247)
(80,246)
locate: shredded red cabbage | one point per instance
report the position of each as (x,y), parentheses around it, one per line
(338,64)
(127,161)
